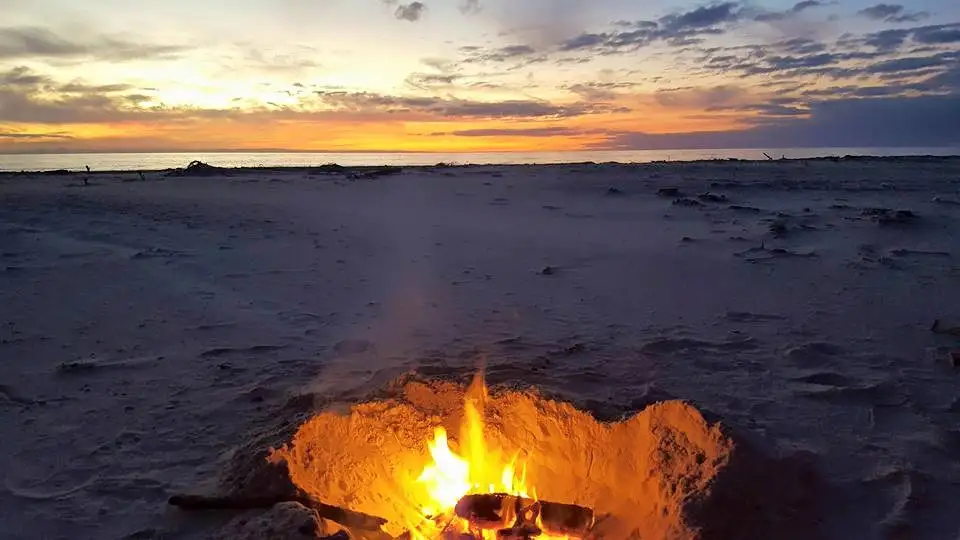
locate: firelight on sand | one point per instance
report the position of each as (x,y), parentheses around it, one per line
(664,472)
(480,469)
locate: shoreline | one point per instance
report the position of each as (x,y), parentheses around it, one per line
(333,168)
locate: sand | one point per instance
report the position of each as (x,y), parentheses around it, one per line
(147,328)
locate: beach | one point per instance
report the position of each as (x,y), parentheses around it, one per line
(151,324)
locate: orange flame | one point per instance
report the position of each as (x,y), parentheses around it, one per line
(450,476)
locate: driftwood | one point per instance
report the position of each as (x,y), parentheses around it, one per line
(347,518)
(517,517)
(938,328)
(199,168)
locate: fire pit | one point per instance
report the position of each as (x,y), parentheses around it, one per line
(523,466)
(520,466)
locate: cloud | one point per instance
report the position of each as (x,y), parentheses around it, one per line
(911,63)
(887,39)
(797,8)
(684,28)
(848,122)
(425,81)
(701,17)
(26,107)
(4,134)
(552,131)
(901,52)
(599,91)
(455,108)
(801,46)
(30,97)
(36,99)
(894,13)
(937,34)
(705,98)
(893,39)
(22,76)
(806,4)
(545,23)
(881,11)
(22,42)
(469,7)
(729,98)
(507,53)
(947,80)
(410,12)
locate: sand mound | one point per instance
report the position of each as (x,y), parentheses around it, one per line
(664,473)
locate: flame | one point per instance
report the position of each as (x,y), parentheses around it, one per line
(480,469)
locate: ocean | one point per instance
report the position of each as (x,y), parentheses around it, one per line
(160,161)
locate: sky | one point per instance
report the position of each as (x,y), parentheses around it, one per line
(476,75)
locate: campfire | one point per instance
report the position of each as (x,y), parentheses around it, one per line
(430,460)
(482,492)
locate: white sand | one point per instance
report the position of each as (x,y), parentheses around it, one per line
(149,327)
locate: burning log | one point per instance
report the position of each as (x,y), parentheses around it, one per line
(520,517)
(347,518)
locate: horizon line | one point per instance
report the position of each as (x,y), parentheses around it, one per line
(427,152)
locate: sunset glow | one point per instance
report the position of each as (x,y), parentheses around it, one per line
(489,75)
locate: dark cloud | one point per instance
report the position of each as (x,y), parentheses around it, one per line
(881,11)
(32,42)
(851,91)
(22,76)
(523,54)
(806,4)
(945,81)
(801,46)
(410,12)
(783,63)
(909,17)
(887,39)
(702,17)
(30,97)
(911,63)
(937,34)
(678,29)
(884,53)
(799,7)
(454,108)
(932,36)
(27,107)
(894,13)
(585,41)
(848,122)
